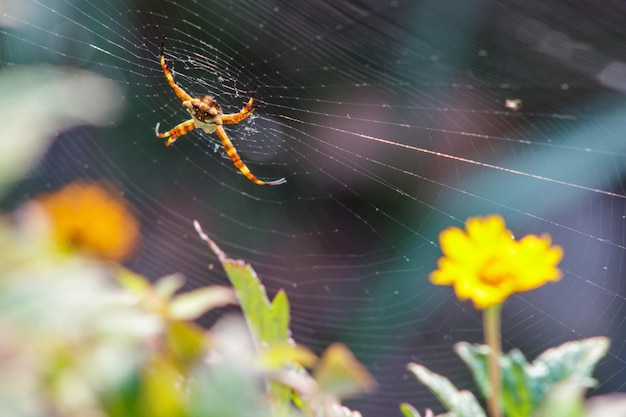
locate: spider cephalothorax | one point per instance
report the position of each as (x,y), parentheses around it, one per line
(207,115)
(205,112)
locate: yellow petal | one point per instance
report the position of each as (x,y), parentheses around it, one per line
(486,264)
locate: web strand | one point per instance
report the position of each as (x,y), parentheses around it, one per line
(389,121)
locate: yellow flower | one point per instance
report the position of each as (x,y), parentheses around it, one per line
(93,219)
(486,264)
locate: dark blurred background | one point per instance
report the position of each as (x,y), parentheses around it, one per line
(390,120)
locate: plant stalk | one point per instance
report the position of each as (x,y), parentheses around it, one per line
(491,323)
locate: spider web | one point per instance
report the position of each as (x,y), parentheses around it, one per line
(390,120)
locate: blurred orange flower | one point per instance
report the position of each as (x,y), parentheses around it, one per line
(92,218)
(486,264)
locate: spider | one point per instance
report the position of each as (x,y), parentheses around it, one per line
(207,115)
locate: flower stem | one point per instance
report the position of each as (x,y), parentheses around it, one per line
(491,323)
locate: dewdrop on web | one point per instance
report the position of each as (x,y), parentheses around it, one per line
(514,104)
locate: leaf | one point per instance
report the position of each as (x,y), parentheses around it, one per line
(475,357)
(132,281)
(565,399)
(303,385)
(461,403)
(167,286)
(524,385)
(229,386)
(50,95)
(409,411)
(185,341)
(517,387)
(223,392)
(193,304)
(573,359)
(268,321)
(340,374)
(276,356)
(162,394)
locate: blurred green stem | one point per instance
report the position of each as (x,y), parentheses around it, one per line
(491,323)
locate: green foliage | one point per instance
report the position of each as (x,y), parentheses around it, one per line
(524,384)
(565,399)
(336,375)
(461,403)
(49,94)
(553,385)
(268,321)
(339,374)
(230,386)
(409,411)
(85,337)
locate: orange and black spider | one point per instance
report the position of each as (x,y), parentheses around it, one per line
(207,115)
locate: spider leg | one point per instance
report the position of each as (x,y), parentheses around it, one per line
(170,78)
(247,110)
(176,132)
(234,156)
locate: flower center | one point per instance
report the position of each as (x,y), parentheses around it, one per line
(495,271)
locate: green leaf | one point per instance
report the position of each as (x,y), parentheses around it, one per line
(50,95)
(461,403)
(339,374)
(475,357)
(230,387)
(276,356)
(565,399)
(524,385)
(409,411)
(162,394)
(193,304)
(517,386)
(576,359)
(132,282)
(226,391)
(268,321)
(167,286)
(185,341)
